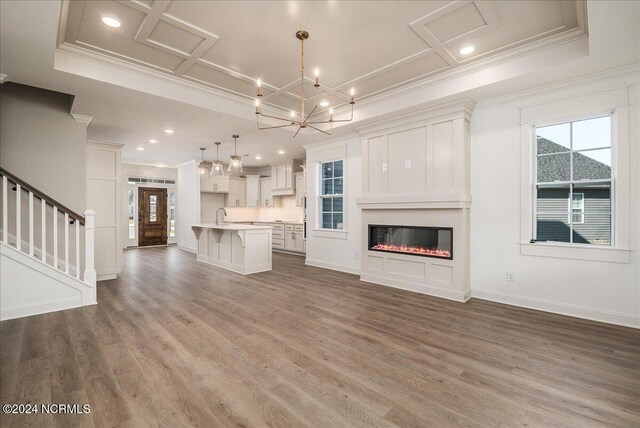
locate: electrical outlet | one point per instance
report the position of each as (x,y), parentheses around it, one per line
(384,166)
(407,164)
(511,277)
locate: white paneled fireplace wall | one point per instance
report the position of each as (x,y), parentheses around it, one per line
(416,172)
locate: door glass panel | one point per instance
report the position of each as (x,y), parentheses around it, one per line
(131,214)
(172,215)
(153,206)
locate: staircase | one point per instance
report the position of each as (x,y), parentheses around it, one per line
(47,253)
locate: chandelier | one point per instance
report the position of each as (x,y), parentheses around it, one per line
(217,168)
(235,164)
(304,121)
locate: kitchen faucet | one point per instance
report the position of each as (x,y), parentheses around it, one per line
(224,212)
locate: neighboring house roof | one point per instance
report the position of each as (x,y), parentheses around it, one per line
(552,167)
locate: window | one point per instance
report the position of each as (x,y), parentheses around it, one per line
(172,214)
(577,208)
(132,214)
(574,182)
(331,195)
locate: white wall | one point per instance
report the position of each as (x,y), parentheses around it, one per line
(39,140)
(146,171)
(339,250)
(598,290)
(188,204)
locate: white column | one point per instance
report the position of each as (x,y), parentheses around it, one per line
(89,251)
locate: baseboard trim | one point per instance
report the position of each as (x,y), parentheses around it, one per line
(27,310)
(106,276)
(609,317)
(427,289)
(190,250)
(332,266)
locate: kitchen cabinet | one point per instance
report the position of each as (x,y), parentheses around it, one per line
(214,184)
(266,199)
(237,192)
(283,179)
(293,238)
(300,191)
(252,190)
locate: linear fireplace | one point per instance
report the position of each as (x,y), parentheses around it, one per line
(413,240)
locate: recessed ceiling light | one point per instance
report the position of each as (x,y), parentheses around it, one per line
(324,103)
(281,152)
(153,141)
(168,131)
(466,50)
(258,157)
(140,148)
(111,21)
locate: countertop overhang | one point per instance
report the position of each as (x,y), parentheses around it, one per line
(230,227)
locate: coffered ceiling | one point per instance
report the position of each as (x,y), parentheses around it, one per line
(374,46)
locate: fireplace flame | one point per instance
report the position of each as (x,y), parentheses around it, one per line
(412,250)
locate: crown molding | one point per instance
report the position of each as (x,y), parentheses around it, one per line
(82,118)
(619,73)
(462,107)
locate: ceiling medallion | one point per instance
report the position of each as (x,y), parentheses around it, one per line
(308,120)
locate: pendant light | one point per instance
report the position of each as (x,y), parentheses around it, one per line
(217,168)
(235,164)
(203,166)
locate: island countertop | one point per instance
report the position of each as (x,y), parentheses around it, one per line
(230,226)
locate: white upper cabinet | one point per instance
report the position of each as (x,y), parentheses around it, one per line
(300,191)
(283,179)
(266,199)
(215,184)
(252,192)
(237,192)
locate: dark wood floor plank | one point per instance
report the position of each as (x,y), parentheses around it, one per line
(174,342)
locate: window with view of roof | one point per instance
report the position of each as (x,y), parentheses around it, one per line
(574,182)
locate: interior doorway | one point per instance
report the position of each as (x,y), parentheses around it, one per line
(152,216)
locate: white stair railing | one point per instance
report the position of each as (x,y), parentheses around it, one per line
(86,222)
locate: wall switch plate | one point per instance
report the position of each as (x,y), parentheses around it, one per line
(407,164)
(511,277)
(384,167)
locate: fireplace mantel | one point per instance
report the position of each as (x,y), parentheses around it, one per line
(416,173)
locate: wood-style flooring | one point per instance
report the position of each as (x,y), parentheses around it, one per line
(178,343)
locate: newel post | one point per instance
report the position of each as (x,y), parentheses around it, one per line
(89,253)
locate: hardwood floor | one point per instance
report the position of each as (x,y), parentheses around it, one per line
(174,342)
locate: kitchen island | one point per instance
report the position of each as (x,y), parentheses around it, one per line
(241,248)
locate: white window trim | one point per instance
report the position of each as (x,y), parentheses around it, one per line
(613,102)
(319,227)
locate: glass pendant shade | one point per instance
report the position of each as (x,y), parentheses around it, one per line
(203,166)
(235,164)
(217,168)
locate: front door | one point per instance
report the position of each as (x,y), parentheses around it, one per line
(152,216)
